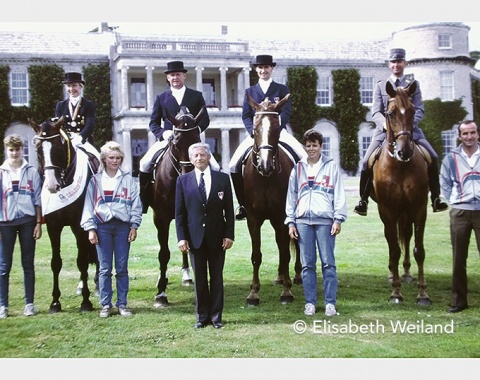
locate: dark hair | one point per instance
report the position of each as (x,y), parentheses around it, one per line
(464,122)
(312,135)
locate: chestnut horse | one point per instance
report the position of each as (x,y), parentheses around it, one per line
(57,160)
(174,163)
(401,191)
(267,171)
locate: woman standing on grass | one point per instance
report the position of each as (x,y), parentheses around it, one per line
(316,207)
(111,215)
(21,214)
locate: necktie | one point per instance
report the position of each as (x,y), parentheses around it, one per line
(201,187)
(397,82)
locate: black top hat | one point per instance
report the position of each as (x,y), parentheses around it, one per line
(175,67)
(73,77)
(265,60)
(396,54)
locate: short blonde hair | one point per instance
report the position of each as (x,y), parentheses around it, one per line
(13,141)
(109,148)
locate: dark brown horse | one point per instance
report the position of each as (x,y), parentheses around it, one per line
(57,164)
(174,163)
(401,191)
(267,172)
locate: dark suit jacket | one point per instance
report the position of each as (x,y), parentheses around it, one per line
(85,120)
(196,222)
(165,104)
(276,90)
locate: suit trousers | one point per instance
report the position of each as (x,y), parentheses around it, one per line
(208,299)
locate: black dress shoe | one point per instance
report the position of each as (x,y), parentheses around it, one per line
(361,208)
(457,309)
(217,325)
(199,325)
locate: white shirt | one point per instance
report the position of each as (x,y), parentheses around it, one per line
(178,94)
(207,177)
(473,159)
(110,183)
(265,84)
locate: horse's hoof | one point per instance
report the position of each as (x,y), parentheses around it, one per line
(396,300)
(407,278)
(253,301)
(55,307)
(286,299)
(160,301)
(297,281)
(86,307)
(187,282)
(424,302)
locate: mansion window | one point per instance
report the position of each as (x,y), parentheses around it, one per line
(327,146)
(366,140)
(446,85)
(323,91)
(19,89)
(449,139)
(208,90)
(366,90)
(138,93)
(444,41)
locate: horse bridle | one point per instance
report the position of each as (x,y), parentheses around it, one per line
(179,165)
(64,137)
(256,149)
(392,137)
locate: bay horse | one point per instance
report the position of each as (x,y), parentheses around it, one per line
(266,175)
(400,189)
(174,163)
(57,164)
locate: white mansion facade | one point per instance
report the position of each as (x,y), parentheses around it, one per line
(219,66)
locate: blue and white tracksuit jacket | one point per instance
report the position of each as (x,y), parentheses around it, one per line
(125,204)
(322,203)
(460,182)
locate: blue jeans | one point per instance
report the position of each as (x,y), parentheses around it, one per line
(113,241)
(27,250)
(311,237)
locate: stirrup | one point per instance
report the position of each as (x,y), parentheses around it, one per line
(361,208)
(242,213)
(438,205)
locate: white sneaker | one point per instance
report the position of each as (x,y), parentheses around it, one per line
(105,312)
(3,312)
(30,310)
(124,311)
(330,310)
(309,309)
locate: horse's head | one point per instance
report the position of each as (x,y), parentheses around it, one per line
(266,133)
(399,120)
(54,150)
(185,133)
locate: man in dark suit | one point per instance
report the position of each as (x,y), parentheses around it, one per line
(204,219)
(265,88)
(169,102)
(397,63)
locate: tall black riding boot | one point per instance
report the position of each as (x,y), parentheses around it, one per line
(365,189)
(145,181)
(237,180)
(434,183)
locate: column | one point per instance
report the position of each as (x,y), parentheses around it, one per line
(246,84)
(127,148)
(125,89)
(225,150)
(223,89)
(199,79)
(150,94)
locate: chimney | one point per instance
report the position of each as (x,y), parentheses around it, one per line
(224,30)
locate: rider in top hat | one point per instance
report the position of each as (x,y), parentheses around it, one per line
(169,102)
(265,88)
(78,113)
(397,63)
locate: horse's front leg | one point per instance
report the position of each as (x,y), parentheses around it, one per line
(86,254)
(186,277)
(394,253)
(283,244)
(56,266)
(254,228)
(419,253)
(163,227)
(407,235)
